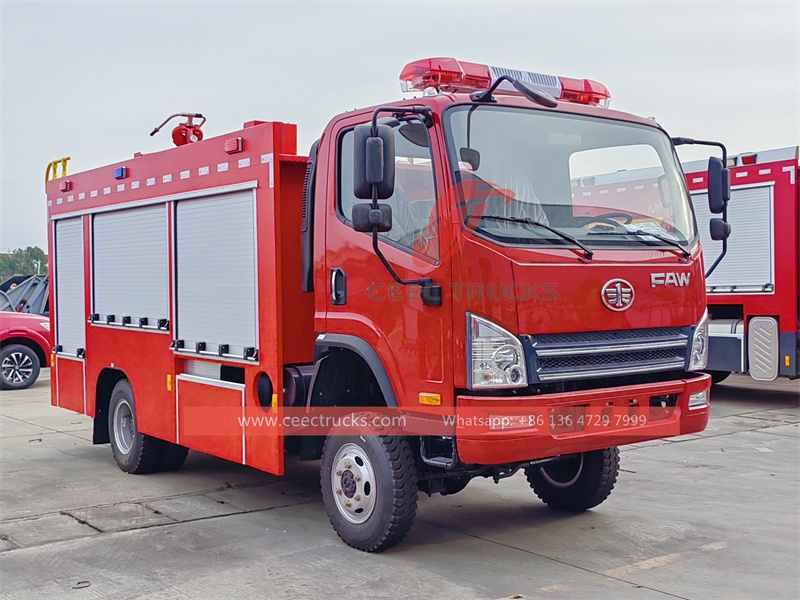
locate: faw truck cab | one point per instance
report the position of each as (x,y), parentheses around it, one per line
(497,274)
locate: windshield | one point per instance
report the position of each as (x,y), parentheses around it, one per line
(599,181)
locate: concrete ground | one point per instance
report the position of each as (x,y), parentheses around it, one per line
(712,515)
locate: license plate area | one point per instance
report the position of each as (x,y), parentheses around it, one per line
(568,419)
(620,414)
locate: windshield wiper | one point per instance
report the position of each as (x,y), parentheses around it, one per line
(587,252)
(666,240)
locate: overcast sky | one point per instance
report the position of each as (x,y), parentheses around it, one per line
(91,80)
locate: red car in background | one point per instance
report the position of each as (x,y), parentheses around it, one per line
(25,344)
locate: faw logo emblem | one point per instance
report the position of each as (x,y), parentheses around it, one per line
(617,295)
(665,279)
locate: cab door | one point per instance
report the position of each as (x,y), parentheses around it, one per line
(414,341)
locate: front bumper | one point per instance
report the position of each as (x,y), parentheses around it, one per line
(500,430)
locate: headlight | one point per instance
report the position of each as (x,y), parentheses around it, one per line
(495,356)
(698,400)
(698,359)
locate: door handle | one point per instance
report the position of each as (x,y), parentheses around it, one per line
(338,287)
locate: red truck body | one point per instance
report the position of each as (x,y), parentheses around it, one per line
(754,294)
(208,238)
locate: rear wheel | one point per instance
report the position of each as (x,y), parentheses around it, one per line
(369,487)
(19,367)
(578,482)
(134,452)
(172,457)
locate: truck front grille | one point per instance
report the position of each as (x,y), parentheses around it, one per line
(566,356)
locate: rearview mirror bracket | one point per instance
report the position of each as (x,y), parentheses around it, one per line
(719,192)
(374,159)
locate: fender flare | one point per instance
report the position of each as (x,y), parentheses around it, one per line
(359,346)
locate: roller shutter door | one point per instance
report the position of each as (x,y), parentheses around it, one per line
(131,276)
(748,265)
(70,298)
(216,272)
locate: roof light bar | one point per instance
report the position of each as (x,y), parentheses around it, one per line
(444,74)
(451,75)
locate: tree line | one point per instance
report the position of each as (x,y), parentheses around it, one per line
(23,262)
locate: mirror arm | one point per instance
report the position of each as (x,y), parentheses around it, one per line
(431,293)
(487,95)
(719,258)
(682,141)
(424,112)
(724,244)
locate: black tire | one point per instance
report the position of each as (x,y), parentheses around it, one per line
(134,452)
(718,376)
(391,493)
(172,457)
(577,483)
(19,367)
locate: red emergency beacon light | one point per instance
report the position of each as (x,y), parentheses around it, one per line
(451,75)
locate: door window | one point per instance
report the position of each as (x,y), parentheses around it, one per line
(414,198)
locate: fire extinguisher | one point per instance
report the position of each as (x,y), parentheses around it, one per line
(185,133)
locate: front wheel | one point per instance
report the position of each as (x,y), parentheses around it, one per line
(369,487)
(578,482)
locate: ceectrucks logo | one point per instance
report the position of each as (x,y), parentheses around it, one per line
(617,295)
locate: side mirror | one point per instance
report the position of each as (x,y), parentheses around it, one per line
(365,217)
(720,230)
(719,185)
(534,94)
(373,159)
(471,156)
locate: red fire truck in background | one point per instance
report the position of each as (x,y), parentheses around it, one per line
(754,293)
(458,259)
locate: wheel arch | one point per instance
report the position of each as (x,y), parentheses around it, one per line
(23,341)
(106,381)
(334,351)
(347,372)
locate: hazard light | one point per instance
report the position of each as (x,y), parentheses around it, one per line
(748,159)
(451,75)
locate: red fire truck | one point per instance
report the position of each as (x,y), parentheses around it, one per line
(453,260)
(754,293)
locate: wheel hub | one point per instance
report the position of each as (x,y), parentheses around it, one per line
(17,367)
(564,473)
(353,483)
(124,430)
(349,484)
